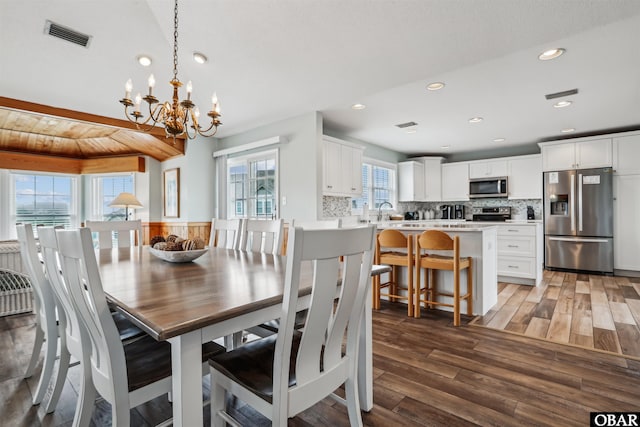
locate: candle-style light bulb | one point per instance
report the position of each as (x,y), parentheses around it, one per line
(152,83)
(214,101)
(128,86)
(138,102)
(196,116)
(189,89)
(217,109)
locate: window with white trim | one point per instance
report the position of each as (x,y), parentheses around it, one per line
(41,199)
(253,185)
(106,188)
(378,185)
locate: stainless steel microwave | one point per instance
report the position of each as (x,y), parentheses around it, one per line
(488,187)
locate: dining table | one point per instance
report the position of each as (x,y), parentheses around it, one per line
(222,292)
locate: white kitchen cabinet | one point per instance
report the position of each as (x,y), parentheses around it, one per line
(352,169)
(626,155)
(433,179)
(626,227)
(520,253)
(411,181)
(487,169)
(577,155)
(525,177)
(455,181)
(342,169)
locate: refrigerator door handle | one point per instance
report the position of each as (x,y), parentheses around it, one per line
(577,240)
(579,202)
(572,209)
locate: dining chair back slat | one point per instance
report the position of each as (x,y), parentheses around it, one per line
(264,236)
(316,225)
(122,231)
(226,233)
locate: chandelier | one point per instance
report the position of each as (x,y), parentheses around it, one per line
(179,118)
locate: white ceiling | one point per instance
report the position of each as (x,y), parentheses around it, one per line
(275,59)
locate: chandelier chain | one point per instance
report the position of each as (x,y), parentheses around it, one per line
(175,41)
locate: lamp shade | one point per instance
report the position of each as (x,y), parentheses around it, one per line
(125,200)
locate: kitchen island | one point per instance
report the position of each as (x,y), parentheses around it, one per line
(478,241)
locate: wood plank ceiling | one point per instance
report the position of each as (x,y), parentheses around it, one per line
(37,129)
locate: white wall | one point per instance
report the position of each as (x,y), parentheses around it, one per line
(197,182)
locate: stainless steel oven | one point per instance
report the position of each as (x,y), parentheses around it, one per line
(488,187)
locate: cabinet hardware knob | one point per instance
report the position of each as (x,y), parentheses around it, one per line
(513,266)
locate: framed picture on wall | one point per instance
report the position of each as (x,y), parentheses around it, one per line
(171,178)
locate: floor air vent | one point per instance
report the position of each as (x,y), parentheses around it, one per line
(64,33)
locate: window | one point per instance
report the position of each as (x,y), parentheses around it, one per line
(252,185)
(44,200)
(104,190)
(378,185)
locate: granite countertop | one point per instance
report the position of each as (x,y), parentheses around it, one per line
(443,225)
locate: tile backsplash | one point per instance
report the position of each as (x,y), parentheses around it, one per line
(518,207)
(333,207)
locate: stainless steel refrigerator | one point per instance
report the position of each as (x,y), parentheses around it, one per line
(578,219)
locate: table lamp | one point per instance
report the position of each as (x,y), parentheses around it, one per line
(126,201)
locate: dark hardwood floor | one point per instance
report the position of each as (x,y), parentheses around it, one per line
(426,373)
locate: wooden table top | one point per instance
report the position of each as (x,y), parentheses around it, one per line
(169,299)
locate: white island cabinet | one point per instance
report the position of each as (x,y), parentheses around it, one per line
(478,241)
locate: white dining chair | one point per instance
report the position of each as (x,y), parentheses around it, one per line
(316,225)
(124,375)
(284,374)
(262,235)
(47,330)
(126,233)
(226,233)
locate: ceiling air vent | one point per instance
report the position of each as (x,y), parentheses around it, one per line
(561,94)
(406,125)
(64,33)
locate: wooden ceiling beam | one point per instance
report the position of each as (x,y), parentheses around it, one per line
(17,104)
(40,163)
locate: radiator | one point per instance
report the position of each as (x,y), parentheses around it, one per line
(16,294)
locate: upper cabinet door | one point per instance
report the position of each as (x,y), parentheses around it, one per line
(525,177)
(455,181)
(626,155)
(332,177)
(559,157)
(411,181)
(488,169)
(594,154)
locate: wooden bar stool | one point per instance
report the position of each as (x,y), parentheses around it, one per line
(434,240)
(387,241)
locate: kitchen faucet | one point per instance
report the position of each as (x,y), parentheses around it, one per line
(380,209)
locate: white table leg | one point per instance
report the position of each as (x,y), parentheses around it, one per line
(365,357)
(186,368)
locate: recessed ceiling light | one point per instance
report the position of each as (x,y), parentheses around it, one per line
(358,107)
(200,58)
(567,130)
(475,119)
(144,60)
(444,147)
(499,140)
(435,86)
(562,104)
(412,130)
(550,54)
